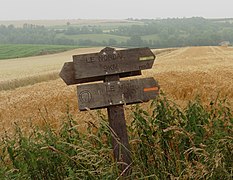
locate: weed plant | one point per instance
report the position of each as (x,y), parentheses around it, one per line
(167,142)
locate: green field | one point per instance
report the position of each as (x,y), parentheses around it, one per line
(8,51)
(104,25)
(152,37)
(95,37)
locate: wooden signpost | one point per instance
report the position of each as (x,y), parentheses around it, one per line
(109,65)
(102,95)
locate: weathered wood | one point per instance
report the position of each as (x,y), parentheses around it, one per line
(101,95)
(110,61)
(110,65)
(68,75)
(120,141)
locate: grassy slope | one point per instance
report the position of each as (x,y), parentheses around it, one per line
(150,37)
(95,37)
(25,50)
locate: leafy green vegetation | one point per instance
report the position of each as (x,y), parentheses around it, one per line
(157,33)
(8,51)
(98,39)
(167,142)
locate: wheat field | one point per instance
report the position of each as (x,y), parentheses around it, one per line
(183,73)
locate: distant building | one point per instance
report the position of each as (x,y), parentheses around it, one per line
(224,43)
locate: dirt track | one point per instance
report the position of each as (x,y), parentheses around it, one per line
(182,74)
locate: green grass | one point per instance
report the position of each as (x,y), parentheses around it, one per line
(95,37)
(167,142)
(152,37)
(102,25)
(9,51)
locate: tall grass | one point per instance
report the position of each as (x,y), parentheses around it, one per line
(167,142)
(193,143)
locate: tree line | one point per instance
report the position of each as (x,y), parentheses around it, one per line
(179,32)
(159,33)
(30,34)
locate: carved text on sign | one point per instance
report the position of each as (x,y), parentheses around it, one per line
(110,61)
(103,58)
(85,96)
(116,92)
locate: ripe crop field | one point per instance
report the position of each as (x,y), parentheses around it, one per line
(42,130)
(182,73)
(26,50)
(23,71)
(187,72)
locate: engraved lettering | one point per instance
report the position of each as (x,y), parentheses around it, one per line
(111,88)
(85,96)
(90,59)
(100,92)
(109,57)
(111,67)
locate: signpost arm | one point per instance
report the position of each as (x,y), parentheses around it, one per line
(120,140)
(110,65)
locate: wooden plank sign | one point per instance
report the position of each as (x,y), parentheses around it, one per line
(110,65)
(68,75)
(110,61)
(101,95)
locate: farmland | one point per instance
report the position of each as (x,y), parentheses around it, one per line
(74,22)
(11,51)
(153,33)
(184,143)
(99,38)
(182,73)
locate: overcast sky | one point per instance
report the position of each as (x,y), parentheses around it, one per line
(113,9)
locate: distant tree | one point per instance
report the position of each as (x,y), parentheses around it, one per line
(112,42)
(135,41)
(11,26)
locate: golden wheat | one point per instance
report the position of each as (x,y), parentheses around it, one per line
(204,71)
(182,74)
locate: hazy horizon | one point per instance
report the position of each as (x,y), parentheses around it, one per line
(11,10)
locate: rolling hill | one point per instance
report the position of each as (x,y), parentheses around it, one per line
(183,73)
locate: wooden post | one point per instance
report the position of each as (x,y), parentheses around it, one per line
(110,65)
(120,142)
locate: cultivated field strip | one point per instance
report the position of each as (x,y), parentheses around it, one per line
(24,67)
(182,74)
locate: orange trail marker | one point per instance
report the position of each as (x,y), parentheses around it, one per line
(151,89)
(109,65)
